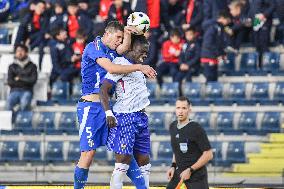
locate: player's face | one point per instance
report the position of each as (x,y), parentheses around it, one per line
(141,52)
(114,39)
(182,110)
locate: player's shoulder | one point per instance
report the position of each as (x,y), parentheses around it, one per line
(121,60)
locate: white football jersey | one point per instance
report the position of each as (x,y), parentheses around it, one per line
(130,89)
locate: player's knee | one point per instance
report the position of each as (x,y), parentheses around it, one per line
(88,156)
(121,158)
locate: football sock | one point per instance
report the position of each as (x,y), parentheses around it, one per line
(134,173)
(145,170)
(80,177)
(118,173)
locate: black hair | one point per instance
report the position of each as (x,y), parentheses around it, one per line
(224,14)
(72,3)
(175,32)
(114,26)
(22,46)
(184,98)
(138,40)
(41,1)
(56,31)
(81,33)
(191,28)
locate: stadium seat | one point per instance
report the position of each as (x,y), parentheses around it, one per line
(67,121)
(192,90)
(249,61)
(4,36)
(101,154)
(270,61)
(214,90)
(32,151)
(24,120)
(279,92)
(237,91)
(152,86)
(247,122)
(169,92)
(203,118)
(259,91)
(225,121)
(217,153)
(227,66)
(236,152)
(54,152)
(270,122)
(165,153)
(156,121)
(60,91)
(46,120)
(9,151)
(73,151)
(76,91)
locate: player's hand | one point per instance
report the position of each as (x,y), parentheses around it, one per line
(149,71)
(170,173)
(111,121)
(185,175)
(130,30)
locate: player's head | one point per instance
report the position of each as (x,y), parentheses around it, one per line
(139,48)
(183,108)
(113,35)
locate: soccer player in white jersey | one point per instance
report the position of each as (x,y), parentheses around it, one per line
(129,134)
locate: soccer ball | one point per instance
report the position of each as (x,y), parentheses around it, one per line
(140,20)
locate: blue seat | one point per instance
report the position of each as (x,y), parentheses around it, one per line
(225,121)
(236,152)
(67,121)
(165,153)
(247,122)
(54,151)
(32,151)
(76,91)
(237,91)
(9,151)
(217,153)
(152,89)
(156,121)
(249,61)
(270,61)
(73,151)
(60,91)
(169,92)
(203,118)
(270,122)
(259,91)
(24,120)
(101,153)
(192,90)
(46,120)
(278,94)
(4,36)
(214,90)
(227,66)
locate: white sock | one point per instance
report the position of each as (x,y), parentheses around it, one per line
(118,173)
(145,170)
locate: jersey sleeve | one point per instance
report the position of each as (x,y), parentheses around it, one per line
(94,51)
(202,139)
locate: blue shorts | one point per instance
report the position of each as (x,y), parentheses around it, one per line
(93,128)
(131,135)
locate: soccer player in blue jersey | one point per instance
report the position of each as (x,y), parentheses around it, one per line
(129,134)
(96,62)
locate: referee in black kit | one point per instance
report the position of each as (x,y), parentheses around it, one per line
(191,150)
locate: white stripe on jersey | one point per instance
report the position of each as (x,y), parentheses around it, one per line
(131,90)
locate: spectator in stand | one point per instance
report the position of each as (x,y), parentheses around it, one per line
(280,16)
(119,10)
(171,50)
(62,57)
(78,48)
(152,57)
(104,6)
(33,27)
(189,60)
(88,8)
(171,15)
(139,6)
(192,15)
(22,76)
(261,14)
(58,15)
(212,49)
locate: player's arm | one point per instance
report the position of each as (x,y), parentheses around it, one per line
(124,69)
(125,46)
(203,160)
(171,171)
(104,97)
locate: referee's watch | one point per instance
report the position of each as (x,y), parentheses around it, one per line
(191,170)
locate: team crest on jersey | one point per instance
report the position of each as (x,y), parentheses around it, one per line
(123,146)
(183,147)
(91,142)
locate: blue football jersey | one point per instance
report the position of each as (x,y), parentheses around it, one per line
(92,73)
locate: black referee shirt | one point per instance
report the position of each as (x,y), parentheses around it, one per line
(188,144)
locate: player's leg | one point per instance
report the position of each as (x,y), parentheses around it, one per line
(92,134)
(143,161)
(135,175)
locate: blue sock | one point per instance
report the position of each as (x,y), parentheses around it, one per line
(135,175)
(80,177)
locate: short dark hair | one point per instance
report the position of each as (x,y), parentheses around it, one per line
(56,31)
(22,46)
(225,14)
(191,28)
(184,98)
(114,26)
(138,40)
(72,3)
(81,33)
(41,1)
(175,32)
